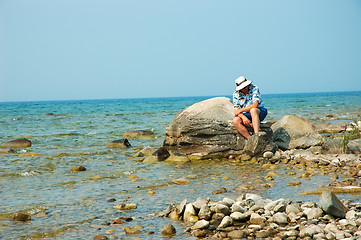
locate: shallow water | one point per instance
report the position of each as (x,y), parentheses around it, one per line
(76,202)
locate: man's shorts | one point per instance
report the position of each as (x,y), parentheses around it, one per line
(262,115)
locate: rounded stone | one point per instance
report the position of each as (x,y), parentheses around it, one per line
(168,230)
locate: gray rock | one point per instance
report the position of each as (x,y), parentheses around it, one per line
(239,217)
(332,205)
(351,215)
(200,202)
(256,143)
(206,128)
(280,218)
(220,208)
(293,208)
(202,224)
(205,212)
(226,222)
(268,155)
(310,231)
(189,211)
(238,208)
(354,146)
(313,213)
(181,207)
(292,132)
(256,219)
(229,202)
(332,146)
(271,205)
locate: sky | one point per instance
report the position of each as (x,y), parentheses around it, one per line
(106,49)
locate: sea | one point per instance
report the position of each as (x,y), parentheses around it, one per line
(80,205)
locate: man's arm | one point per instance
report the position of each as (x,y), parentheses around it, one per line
(238,111)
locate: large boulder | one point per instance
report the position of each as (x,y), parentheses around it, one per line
(206,128)
(295,132)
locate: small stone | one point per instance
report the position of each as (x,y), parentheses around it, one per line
(129,230)
(100,238)
(205,212)
(127,206)
(199,233)
(200,202)
(78,169)
(226,222)
(239,217)
(111,200)
(21,217)
(189,212)
(237,208)
(219,191)
(293,208)
(237,234)
(268,155)
(181,181)
(263,234)
(256,219)
(221,208)
(313,213)
(280,218)
(168,230)
(202,224)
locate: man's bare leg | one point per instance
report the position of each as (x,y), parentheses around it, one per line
(255,112)
(238,123)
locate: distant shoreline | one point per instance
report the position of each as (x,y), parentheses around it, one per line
(180,97)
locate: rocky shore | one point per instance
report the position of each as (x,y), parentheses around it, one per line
(252,217)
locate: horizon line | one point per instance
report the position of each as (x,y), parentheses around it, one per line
(99,99)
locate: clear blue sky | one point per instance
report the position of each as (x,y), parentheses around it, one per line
(87,49)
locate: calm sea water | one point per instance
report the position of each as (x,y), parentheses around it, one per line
(78,133)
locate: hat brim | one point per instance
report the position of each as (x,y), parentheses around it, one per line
(243,85)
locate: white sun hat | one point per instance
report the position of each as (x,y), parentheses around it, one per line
(242,82)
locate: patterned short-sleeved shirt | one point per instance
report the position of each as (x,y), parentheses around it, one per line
(241,101)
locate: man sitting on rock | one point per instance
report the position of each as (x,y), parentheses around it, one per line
(248,107)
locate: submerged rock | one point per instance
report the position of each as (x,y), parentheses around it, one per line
(18,143)
(78,169)
(160,154)
(121,143)
(139,133)
(7,150)
(21,217)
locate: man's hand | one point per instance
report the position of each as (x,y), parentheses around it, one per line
(245,120)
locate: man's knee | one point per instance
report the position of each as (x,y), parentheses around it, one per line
(254,111)
(236,121)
